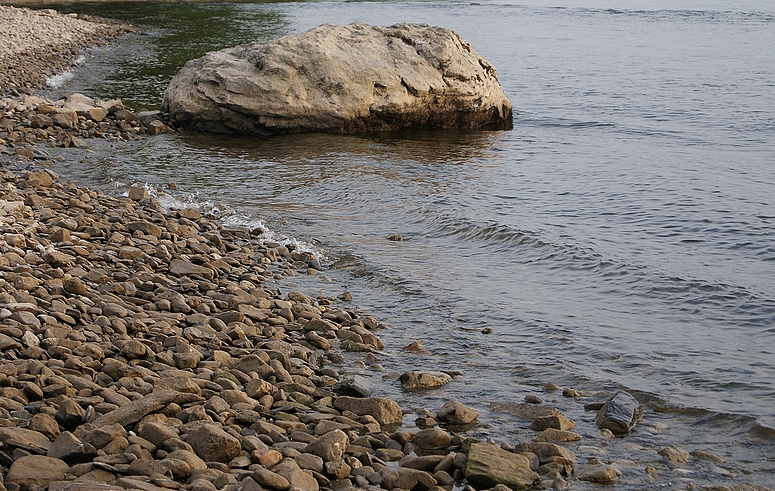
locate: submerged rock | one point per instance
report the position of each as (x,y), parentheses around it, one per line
(340,79)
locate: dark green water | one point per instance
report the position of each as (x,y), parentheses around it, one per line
(138,67)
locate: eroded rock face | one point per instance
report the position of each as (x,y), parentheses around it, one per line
(340,79)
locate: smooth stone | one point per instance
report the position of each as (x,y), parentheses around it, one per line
(384,411)
(488,465)
(675,455)
(597,474)
(423,380)
(456,413)
(431,439)
(37,470)
(329,447)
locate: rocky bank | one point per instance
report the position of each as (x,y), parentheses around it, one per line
(36,44)
(153,349)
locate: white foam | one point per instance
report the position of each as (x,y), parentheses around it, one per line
(58,81)
(227,217)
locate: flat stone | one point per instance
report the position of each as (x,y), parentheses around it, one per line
(136,410)
(36,470)
(181,267)
(385,411)
(523,410)
(25,439)
(488,465)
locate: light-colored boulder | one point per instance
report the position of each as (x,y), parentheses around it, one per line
(340,79)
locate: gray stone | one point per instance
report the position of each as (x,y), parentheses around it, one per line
(354,385)
(523,410)
(488,465)
(339,79)
(619,414)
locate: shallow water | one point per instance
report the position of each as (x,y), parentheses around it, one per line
(619,236)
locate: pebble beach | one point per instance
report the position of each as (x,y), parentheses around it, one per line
(154,349)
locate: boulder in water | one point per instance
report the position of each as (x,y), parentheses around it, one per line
(340,79)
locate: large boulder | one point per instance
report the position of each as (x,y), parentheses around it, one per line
(340,79)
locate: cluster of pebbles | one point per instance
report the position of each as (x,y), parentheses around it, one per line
(142,348)
(36,44)
(29,122)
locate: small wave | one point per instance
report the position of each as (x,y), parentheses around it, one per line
(228,217)
(57,81)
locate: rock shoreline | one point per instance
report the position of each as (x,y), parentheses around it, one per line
(149,349)
(37,44)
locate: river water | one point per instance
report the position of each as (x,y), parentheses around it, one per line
(621,235)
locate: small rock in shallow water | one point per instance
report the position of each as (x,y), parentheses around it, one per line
(423,380)
(416,347)
(675,455)
(456,413)
(620,413)
(597,474)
